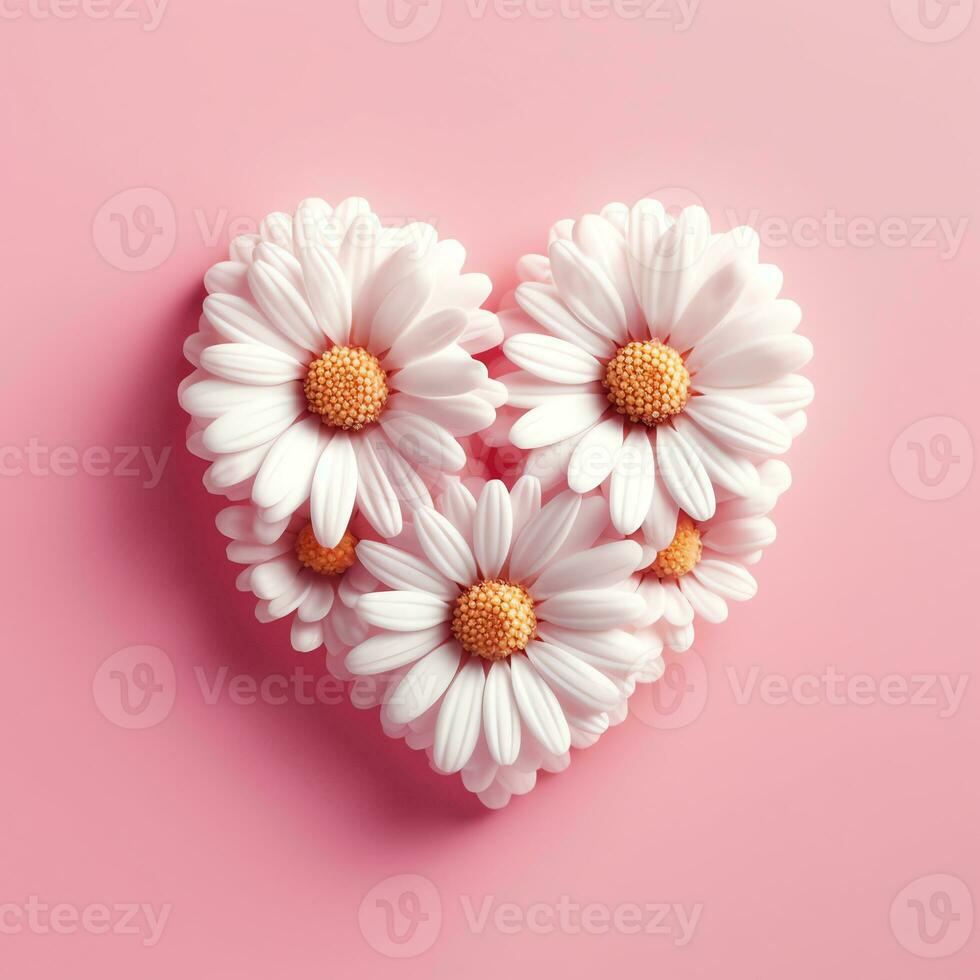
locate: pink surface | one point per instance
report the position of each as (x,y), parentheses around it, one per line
(799,800)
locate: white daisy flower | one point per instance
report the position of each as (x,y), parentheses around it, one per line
(291,573)
(656,361)
(504,631)
(691,569)
(334,362)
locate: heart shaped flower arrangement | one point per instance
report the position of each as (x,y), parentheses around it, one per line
(645,370)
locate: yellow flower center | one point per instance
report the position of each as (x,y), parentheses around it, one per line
(682,554)
(346,387)
(647,382)
(325,561)
(494,619)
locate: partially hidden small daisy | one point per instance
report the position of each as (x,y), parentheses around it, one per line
(291,573)
(504,630)
(333,363)
(656,360)
(691,569)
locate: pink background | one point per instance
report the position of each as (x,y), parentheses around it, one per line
(794,825)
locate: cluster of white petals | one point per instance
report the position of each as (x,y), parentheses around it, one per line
(647,376)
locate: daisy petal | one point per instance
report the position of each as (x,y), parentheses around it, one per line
(375,496)
(334,490)
(459,415)
(423,441)
(426,337)
(587,292)
(284,306)
(683,474)
(247,427)
(402,611)
(710,607)
(740,425)
(524,390)
(539,707)
(730,471)
(400,570)
(238,321)
(591,609)
(602,567)
(525,502)
(552,359)
(389,651)
(631,487)
(251,364)
(289,464)
(736,537)
(557,419)
(305,637)
(726,579)
(328,292)
(713,301)
(492,529)
(543,304)
(545,533)
(458,725)
(402,305)
(596,454)
(450,372)
(610,651)
(272,578)
(757,361)
(501,719)
(573,678)
(444,546)
(660,524)
(424,683)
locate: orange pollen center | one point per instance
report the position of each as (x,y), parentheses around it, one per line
(682,554)
(494,619)
(647,382)
(346,387)
(325,561)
